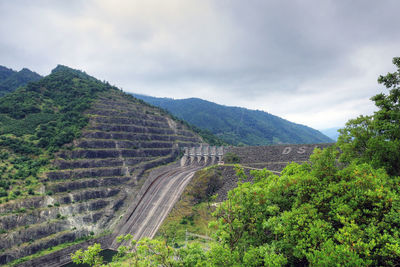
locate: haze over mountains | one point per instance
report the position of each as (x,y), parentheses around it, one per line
(332,132)
(238,126)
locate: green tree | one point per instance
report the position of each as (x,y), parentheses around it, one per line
(321,210)
(147,252)
(90,256)
(376,139)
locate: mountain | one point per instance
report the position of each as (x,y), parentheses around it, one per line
(5,73)
(237,125)
(11,80)
(332,132)
(74,152)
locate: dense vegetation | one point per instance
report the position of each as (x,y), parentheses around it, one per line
(376,139)
(10,80)
(207,136)
(238,126)
(35,121)
(340,209)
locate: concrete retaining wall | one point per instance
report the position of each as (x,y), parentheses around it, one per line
(273,154)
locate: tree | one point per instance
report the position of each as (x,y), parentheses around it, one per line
(90,256)
(376,139)
(319,213)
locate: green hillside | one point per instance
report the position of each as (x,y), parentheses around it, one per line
(11,80)
(237,125)
(35,121)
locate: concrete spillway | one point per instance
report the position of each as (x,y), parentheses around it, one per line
(154,204)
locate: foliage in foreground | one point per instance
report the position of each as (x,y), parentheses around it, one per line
(376,139)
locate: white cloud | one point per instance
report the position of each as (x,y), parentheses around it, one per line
(314,63)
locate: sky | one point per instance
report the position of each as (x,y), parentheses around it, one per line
(311,62)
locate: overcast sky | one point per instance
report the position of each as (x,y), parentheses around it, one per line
(311,62)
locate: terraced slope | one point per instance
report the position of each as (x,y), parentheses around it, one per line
(96,178)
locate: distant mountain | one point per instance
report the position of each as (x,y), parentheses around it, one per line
(5,73)
(11,80)
(331,132)
(237,125)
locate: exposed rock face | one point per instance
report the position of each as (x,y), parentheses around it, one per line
(96,178)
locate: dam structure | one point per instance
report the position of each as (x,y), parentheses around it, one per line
(204,154)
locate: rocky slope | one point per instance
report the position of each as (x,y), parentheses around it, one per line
(95,178)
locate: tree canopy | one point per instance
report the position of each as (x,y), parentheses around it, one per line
(375,139)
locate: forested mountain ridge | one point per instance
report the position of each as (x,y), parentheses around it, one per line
(35,121)
(11,80)
(237,125)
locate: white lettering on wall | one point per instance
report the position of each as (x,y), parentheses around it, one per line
(287,150)
(301,150)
